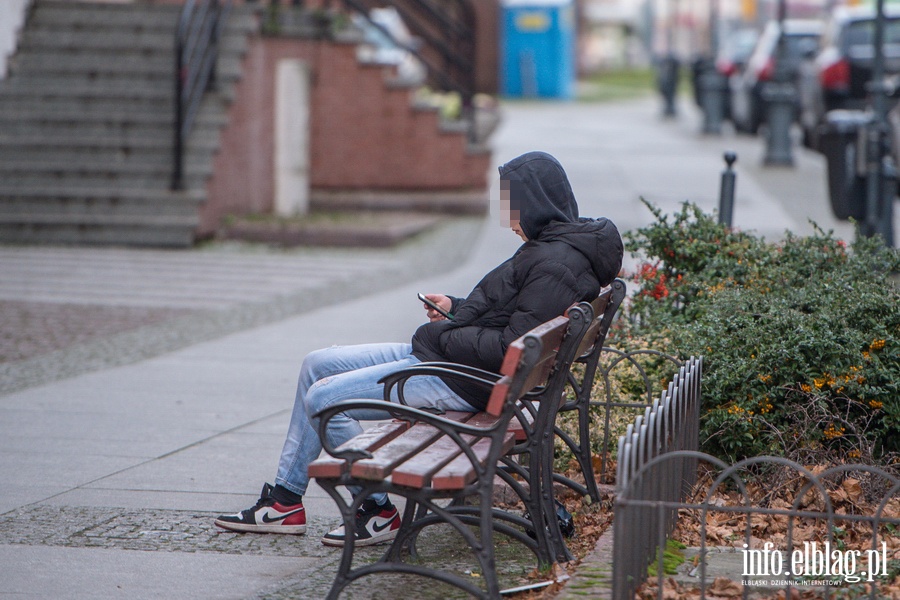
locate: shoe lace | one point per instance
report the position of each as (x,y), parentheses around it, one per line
(263,501)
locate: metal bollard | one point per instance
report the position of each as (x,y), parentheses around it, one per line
(713,87)
(781,98)
(667,82)
(726,192)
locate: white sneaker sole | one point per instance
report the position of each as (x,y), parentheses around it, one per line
(380,539)
(243,528)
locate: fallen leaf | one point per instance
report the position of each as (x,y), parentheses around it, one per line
(725,588)
(853,490)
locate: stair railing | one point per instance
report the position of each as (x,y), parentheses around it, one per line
(196,51)
(447,31)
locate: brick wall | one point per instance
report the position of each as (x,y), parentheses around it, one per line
(364,134)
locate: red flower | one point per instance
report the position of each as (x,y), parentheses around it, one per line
(660,291)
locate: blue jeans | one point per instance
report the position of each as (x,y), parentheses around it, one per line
(344,373)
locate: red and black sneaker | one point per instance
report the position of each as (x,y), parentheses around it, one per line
(267,516)
(375,524)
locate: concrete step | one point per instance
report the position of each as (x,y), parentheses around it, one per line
(156,220)
(124,63)
(110,81)
(140,165)
(147,42)
(132,93)
(92,40)
(157,234)
(111,16)
(135,218)
(75,86)
(123,129)
(112,155)
(161,140)
(114,180)
(65,116)
(85,13)
(98,67)
(97,201)
(24,103)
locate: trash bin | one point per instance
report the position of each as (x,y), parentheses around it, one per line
(838,138)
(537,48)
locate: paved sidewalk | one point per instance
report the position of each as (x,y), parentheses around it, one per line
(68,310)
(116,453)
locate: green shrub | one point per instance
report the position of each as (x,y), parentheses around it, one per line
(801,339)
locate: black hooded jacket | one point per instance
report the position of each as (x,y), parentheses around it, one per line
(566,259)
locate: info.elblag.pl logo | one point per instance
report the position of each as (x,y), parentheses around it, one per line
(814,564)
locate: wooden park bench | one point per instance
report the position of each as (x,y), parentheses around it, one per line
(426,457)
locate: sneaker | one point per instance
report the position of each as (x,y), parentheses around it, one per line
(267,516)
(374,524)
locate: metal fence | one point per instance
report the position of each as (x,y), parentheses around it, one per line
(668,428)
(613,364)
(792,531)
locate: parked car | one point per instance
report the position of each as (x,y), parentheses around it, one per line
(838,75)
(735,51)
(801,38)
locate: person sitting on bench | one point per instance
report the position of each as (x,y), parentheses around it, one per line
(565,259)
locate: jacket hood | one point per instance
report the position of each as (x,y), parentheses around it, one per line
(596,239)
(539,189)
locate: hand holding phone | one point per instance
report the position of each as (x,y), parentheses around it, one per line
(434,306)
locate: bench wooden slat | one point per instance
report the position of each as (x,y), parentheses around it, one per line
(418,470)
(518,431)
(396,451)
(369,441)
(459,472)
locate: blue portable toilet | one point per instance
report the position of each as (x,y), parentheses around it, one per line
(537,51)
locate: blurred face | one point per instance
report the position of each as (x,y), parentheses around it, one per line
(509,207)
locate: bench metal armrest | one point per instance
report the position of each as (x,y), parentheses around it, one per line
(489,375)
(399,411)
(400,377)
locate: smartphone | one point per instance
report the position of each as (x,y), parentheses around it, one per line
(435,306)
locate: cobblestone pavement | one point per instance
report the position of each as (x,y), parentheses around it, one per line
(30,329)
(192,532)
